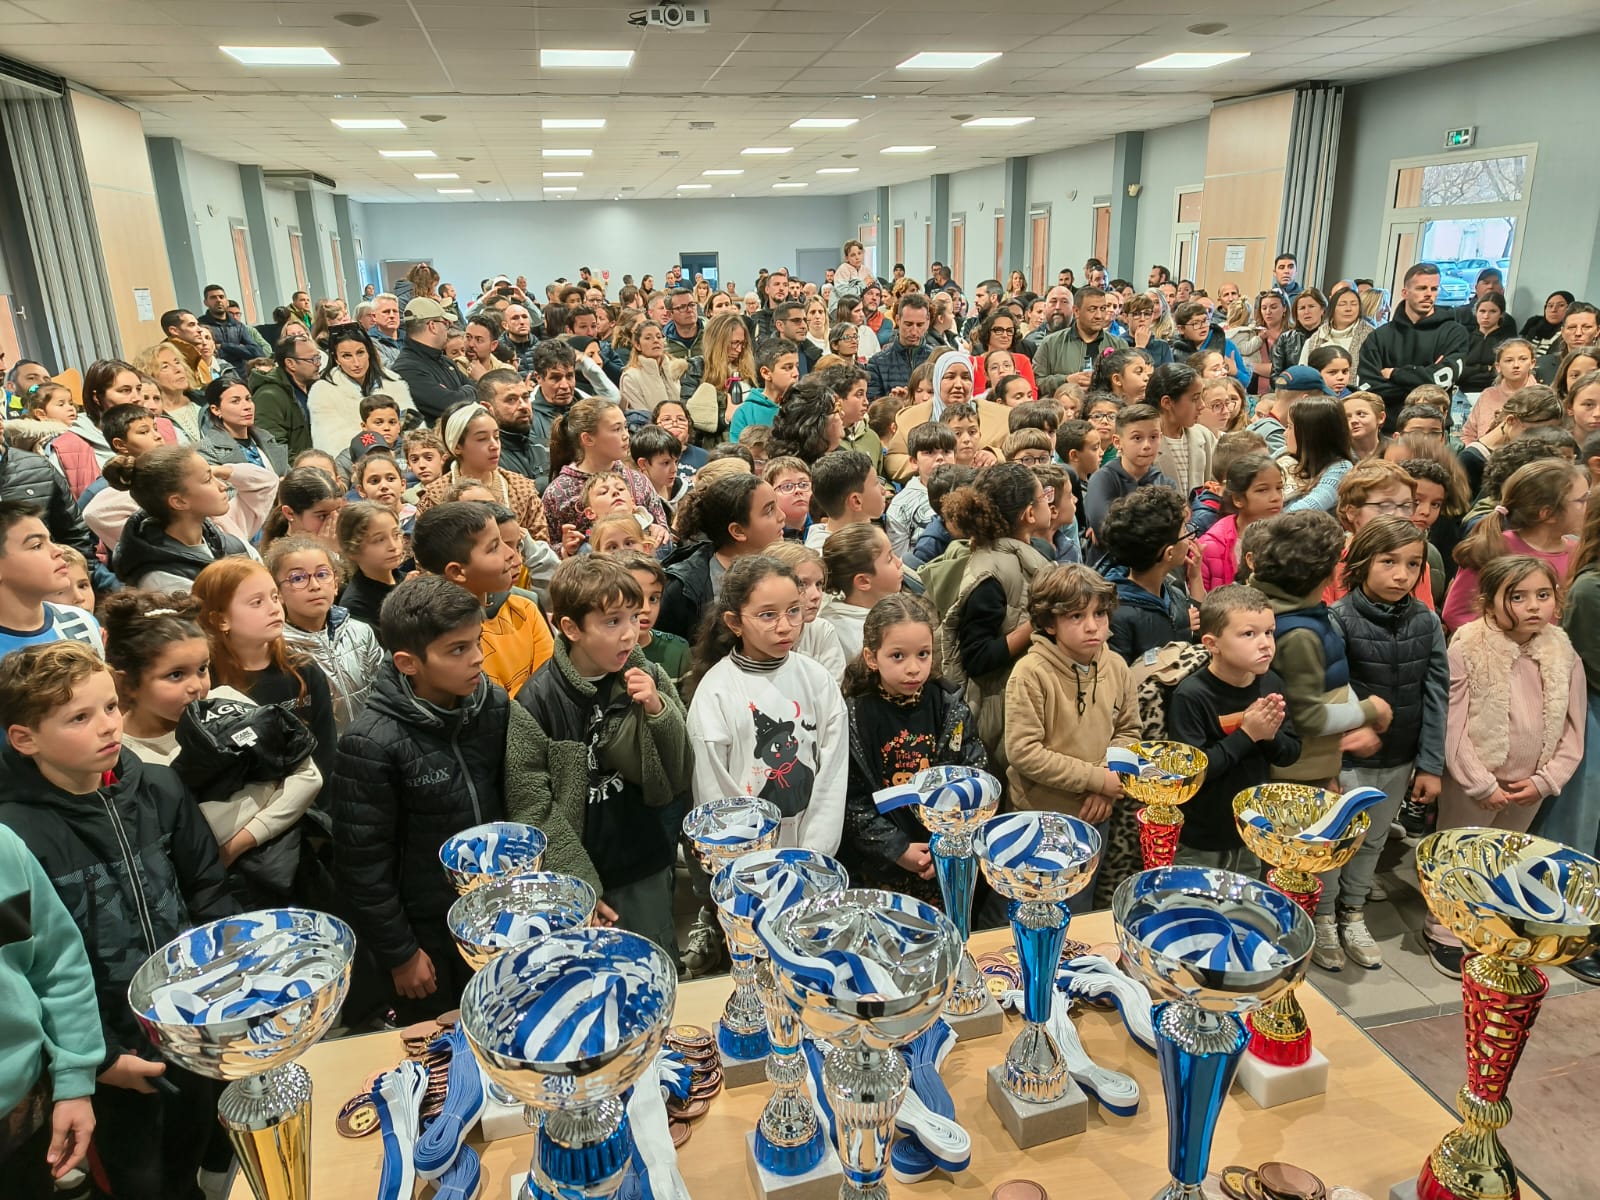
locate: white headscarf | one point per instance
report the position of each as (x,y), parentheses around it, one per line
(942,364)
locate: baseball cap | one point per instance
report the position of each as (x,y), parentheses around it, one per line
(1290,379)
(425,309)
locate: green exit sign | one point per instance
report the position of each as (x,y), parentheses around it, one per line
(1460,139)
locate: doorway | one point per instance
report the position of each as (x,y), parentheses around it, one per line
(1186,234)
(700,262)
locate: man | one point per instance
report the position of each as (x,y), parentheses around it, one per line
(1170,291)
(1422,344)
(594,296)
(1489,282)
(873,317)
(183,335)
(1072,352)
(789,321)
(436,383)
(889,370)
(1227,294)
(385,331)
(23,376)
(1158,276)
(1057,316)
(236,342)
(1065,278)
(656,308)
(555,371)
(942,282)
(300,308)
(684,325)
(985,299)
(518,340)
(899,272)
(1578,328)
(1283,272)
(628,298)
(483,344)
(932,281)
(365,316)
(581,322)
(774,292)
(281,393)
(505,394)
(827,276)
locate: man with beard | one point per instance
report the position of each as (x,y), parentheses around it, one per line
(505,394)
(873,316)
(1421,344)
(518,339)
(1057,316)
(1072,352)
(555,370)
(236,341)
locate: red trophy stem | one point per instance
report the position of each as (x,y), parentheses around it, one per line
(1498,1026)
(1158,841)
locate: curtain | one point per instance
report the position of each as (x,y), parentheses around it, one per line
(1309,175)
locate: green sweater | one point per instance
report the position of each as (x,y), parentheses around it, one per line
(47,994)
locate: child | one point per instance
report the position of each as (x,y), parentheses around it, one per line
(1058,543)
(608,752)
(1036,414)
(1513,363)
(791,479)
(162,661)
(1371,490)
(1333,363)
(134,864)
(51,402)
(1395,647)
(173,535)
(881,416)
(937,537)
(820,640)
(1138,443)
(78,591)
(903,719)
(1186,445)
(1070,398)
(764,721)
(757,439)
(847,489)
(1540,513)
(1290,386)
(1420,418)
(613,532)
(461,541)
(862,568)
(1295,561)
(129,431)
(1234,711)
(1078,443)
(1101,410)
(1012,390)
(656,453)
(1124,373)
(1206,502)
(377,478)
(309,504)
(1222,406)
(1030,447)
(32,568)
(380,430)
(734,516)
(1517,697)
(603,493)
(777,370)
(930,445)
(347,650)
(1145,543)
(962,420)
(423,762)
(371,542)
(1364,412)
(1437,494)
(425,459)
(1316,454)
(667,650)
(1253,491)
(1583,406)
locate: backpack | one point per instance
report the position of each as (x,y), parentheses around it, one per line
(1156,675)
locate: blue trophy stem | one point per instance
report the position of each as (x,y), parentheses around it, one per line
(1199,1052)
(958,878)
(1040,931)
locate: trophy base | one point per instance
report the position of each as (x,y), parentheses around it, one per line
(1269,1085)
(742,1072)
(1405,1190)
(1035,1124)
(501,1121)
(988,1021)
(822,1182)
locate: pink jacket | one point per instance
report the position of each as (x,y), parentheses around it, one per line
(1461,601)
(81,459)
(1218,545)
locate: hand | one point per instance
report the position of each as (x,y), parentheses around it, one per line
(1388,371)
(1496,801)
(659,536)
(1524,792)
(917,860)
(71,1126)
(1262,719)
(132,1072)
(571,539)
(476,370)
(1424,788)
(1082,378)
(899,393)
(984,458)
(642,690)
(604,914)
(1194,618)
(1385,713)
(222,471)
(1361,743)
(414,979)
(1110,784)
(1096,808)
(231,849)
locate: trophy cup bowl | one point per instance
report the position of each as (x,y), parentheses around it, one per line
(484,852)
(1179,771)
(1518,902)
(866,971)
(1211,945)
(567,1024)
(515,909)
(239,999)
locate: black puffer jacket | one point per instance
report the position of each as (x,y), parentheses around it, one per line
(408,776)
(688,590)
(436,383)
(135,864)
(1397,652)
(145,548)
(236,342)
(520,453)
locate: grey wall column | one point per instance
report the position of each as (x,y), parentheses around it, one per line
(311,246)
(347,249)
(880,209)
(1127,154)
(260,232)
(171,178)
(939,192)
(1018,228)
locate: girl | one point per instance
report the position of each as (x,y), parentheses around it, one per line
(347,650)
(1317,454)
(1513,362)
(986,628)
(1363,412)
(903,719)
(47,412)
(920,386)
(672,416)
(371,542)
(862,569)
(84,449)
(817,324)
(1011,391)
(1489,331)
(1574,367)
(1001,332)
(1209,364)
(809,423)
(1515,732)
(472,438)
(309,504)
(1541,510)
(1252,491)
(1222,405)
(377,477)
(1309,308)
(354,372)
(1532,407)
(173,536)
(1334,364)
(1186,445)
(1344,326)
(764,721)
(819,640)
(1583,406)
(738,516)
(591,436)
(652,374)
(1270,318)
(164,365)
(1123,373)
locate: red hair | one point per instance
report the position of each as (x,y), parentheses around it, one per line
(215,588)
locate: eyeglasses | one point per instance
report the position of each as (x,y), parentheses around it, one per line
(1039,459)
(1390,508)
(685,306)
(793,487)
(1003,329)
(767,619)
(301,580)
(1103,418)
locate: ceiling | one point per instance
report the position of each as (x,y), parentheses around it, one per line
(760,65)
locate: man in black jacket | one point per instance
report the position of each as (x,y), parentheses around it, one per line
(436,382)
(236,341)
(506,395)
(30,478)
(1422,344)
(889,370)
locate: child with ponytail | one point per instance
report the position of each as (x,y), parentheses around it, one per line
(309,504)
(172,537)
(862,568)
(718,523)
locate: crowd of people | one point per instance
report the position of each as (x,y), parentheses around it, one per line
(424,562)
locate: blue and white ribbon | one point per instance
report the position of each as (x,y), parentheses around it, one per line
(1332,826)
(398,1096)
(1031,841)
(189,1002)
(654,1156)
(233,969)
(1095,979)
(1116,1092)
(736,821)
(444,1136)
(1534,889)
(881,941)
(942,789)
(1126,762)
(498,848)
(1198,932)
(587,1011)
(464,1178)
(928,1111)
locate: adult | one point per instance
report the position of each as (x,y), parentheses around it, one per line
(483,330)
(1420,344)
(164,365)
(355,371)
(385,332)
(472,436)
(1072,352)
(684,326)
(328,314)
(774,291)
(237,342)
(1490,327)
(436,383)
(952,385)
(1489,283)
(82,450)
(873,316)
(789,321)
(651,375)
(518,339)
(889,370)
(1308,309)
(1342,326)
(300,308)
(1227,294)
(1580,326)
(182,332)
(507,396)
(1158,276)
(1271,318)
(555,374)
(1542,330)
(229,433)
(986,299)
(727,370)
(283,394)
(941,280)
(1284,268)
(1057,315)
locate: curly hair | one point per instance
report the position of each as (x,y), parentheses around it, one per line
(1140,526)
(900,609)
(991,507)
(800,428)
(1298,551)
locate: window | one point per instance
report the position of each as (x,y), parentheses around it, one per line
(1039,253)
(1186,233)
(247,282)
(298,257)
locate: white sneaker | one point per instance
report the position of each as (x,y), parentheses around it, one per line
(1378,893)
(1357,938)
(1327,953)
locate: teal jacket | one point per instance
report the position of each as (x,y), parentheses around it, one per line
(47,993)
(756,410)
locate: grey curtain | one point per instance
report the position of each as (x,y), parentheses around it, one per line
(1309,174)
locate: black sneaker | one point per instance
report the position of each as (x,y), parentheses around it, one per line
(1446,959)
(1413,820)
(1586,969)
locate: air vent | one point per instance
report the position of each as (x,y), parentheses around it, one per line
(702,126)
(666,154)
(21,81)
(297,181)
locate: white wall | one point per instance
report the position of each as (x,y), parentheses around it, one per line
(281,212)
(1173,157)
(217,200)
(911,203)
(978,193)
(1069,180)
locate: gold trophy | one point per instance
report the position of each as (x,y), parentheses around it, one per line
(1161,776)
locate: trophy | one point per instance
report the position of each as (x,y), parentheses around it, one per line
(567,1024)
(866,971)
(718,832)
(788,1155)
(1514,900)
(474,856)
(240,999)
(1161,776)
(1210,945)
(1303,832)
(1038,861)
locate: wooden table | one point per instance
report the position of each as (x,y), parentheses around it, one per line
(1373,1127)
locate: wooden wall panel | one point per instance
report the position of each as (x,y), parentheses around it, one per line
(1246,146)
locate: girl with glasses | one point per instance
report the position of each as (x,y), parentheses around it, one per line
(347,650)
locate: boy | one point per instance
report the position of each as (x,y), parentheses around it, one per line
(380,430)
(930,446)
(1146,541)
(530,562)
(605,494)
(963,422)
(1186,445)
(607,753)
(1290,386)
(1030,447)
(425,457)
(1293,563)
(1420,418)
(667,650)
(33,570)
(1059,544)
(461,542)
(791,479)
(1235,712)
(1078,445)
(1138,442)
(847,489)
(421,763)
(135,864)
(1371,489)
(1433,484)
(656,453)
(1036,414)
(937,537)
(849,383)
(78,591)
(778,369)
(756,439)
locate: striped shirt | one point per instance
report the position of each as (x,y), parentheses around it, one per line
(62,622)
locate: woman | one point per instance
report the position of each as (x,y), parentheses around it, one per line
(82,450)
(591,437)
(1374,306)
(472,438)
(728,372)
(1343,328)
(164,364)
(702,296)
(1016,284)
(353,373)
(1196,335)
(1139,312)
(808,424)
(328,314)
(1270,318)
(647,287)
(652,374)
(998,331)
(1309,308)
(1483,342)
(1543,329)
(943,329)
(229,433)
(952,385)
(817,324)
(719,303)
(844,339)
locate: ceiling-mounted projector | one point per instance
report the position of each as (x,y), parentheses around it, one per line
(677,16)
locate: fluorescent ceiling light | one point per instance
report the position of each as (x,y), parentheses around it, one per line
(572,123)
(777,186)
(455,191)
(369,123)
(567,153)
(694,187)
(437,175)
(561,189)
(585,58)
(563,174)
(734,171)
(1192,60)
(837,170)
(280,56)
(906,149)
(948,60)
(408,154)
(994,122)
(823,123)
(767,150)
